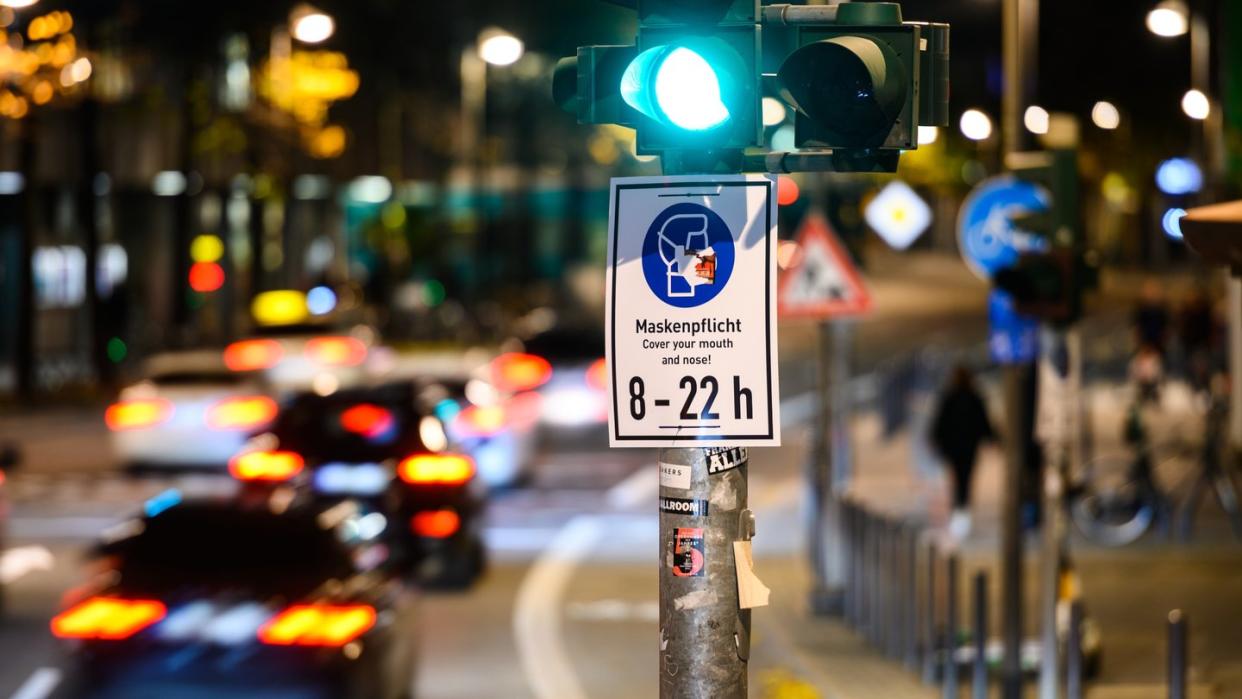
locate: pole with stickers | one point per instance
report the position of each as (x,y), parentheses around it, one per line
(691,295)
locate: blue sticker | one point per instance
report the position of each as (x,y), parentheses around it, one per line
(688,255)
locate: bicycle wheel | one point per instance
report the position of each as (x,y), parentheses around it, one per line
(1111,507)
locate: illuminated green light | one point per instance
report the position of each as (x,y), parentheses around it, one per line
(675,85)
(117,350)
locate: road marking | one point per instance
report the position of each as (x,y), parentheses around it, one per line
(39,685)
(537,611)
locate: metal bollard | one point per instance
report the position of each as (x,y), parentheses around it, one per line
(949,662)
(897,616)
(912,598)
(930,638)
(1073,654)
(856,570)
(980,677)
(876,615)
(1177,655)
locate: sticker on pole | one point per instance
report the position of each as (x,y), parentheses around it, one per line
(691,317)
(822,282)
(689,556)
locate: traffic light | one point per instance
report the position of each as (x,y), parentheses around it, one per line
(1050,284)
(859,79)
(864,84)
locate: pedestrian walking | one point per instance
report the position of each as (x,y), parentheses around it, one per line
(961,424)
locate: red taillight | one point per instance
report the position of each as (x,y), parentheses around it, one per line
(318,625)
(481,420)
(244,413)
(251,355)
(336,351)
(520,372)
(273,466)
(136,414)
(436,469)
(436,524)
(367,420)
(107,618)
(597,375)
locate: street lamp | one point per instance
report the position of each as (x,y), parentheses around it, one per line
(1036,120)
(1196,105)
(311,26)
(17,4)
(1105,115)
(976,125)
(1169,18)
(500,48)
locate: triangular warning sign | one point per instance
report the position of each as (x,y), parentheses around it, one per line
(822,282)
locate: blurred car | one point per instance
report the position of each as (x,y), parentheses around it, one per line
(386,447)
(486,405)
(191,411)
(575,394)
(10,459)
(212,599)
(304,357)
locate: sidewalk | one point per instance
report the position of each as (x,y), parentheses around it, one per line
(1126,591)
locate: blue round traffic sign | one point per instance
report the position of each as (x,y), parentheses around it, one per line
(986,234)
(688,255)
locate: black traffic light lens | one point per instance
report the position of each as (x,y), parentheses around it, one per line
(853,87)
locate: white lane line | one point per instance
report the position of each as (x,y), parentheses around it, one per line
(537,611)
(39,685)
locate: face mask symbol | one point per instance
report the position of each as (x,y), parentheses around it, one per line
(688,258)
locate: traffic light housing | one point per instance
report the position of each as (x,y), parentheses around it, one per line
(864,84)
(860,81)
(1051,284)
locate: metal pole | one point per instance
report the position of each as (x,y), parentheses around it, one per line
(1062,443)
(704,635)
(825,473)
(1235,360)
(929,641)
(1073,653)
(1177,655)
(980,679)
(1019,19)
(950,630)
(1015,379)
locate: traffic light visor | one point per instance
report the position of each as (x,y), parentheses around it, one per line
(679,86)
(853,86)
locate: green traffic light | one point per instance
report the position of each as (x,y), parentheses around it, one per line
(679,86)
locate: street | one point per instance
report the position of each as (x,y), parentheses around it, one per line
(567,608)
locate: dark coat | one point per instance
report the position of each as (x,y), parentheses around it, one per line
(961,424)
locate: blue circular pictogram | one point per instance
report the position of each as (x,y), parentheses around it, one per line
(687,255)
(987,236)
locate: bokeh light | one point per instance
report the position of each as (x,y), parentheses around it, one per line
(976,125)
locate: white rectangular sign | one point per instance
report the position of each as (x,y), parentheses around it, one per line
(691,318)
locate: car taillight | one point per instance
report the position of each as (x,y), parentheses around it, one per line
(336,351)
(597,375)
(367,420)
(436,524)
(318,625)
(481,420)
(436,469)
(107,618)
(136,414)
(273,466)
(252,355)
(244,413)
(516,371)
